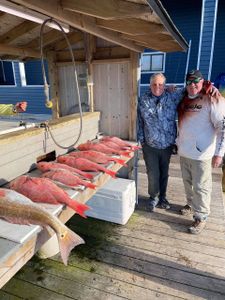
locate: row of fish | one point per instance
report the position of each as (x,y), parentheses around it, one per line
(16,205)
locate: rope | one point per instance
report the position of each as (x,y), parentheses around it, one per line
(46,86)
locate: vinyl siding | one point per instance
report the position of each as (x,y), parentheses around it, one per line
(218,65)
(34,95)
(187,20)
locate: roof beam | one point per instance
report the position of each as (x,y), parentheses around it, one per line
(50,37)
(106,9)
(131,26)
(84,23)
(18,31)
(18,51)
(74,37)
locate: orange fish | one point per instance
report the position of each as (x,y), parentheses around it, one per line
(45,166)
(18,209)
(84,164)
(97,157)
(44,190)
(121,143)
(101,148)
(68,178)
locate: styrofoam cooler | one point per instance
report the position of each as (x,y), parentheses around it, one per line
(114,202)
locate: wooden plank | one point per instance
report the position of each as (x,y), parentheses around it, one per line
(131,26)
(19,51)
(18,31)
(133,87)
(110,9)
(25,290)
(79,21)
(110,285)
(137,279)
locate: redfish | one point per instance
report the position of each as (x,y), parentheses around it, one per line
(44,190)
(101,148)
(97,157)
(121,143)
(45,166)
(18,209)
(68,178)
(84,164)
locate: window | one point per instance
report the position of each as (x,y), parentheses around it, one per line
(31,73)
(6,73)
(152,62)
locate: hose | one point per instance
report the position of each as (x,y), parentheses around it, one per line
(48,102)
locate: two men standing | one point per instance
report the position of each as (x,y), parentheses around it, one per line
(201,141)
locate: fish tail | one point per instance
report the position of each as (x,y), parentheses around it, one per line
(135,147)
(120,161)
(67,241)
(78,207)
(111,173)
(125,153)
(88,176)
(90,185)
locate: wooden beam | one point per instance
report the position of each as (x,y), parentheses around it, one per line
(48,38)
(133,81)
(18,31)
(18,51)
(107,9)
(84,23)
(100,54)
(74,37)
(131,26)
(54,83)
(157,42)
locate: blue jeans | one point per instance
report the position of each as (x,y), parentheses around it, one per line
(157,165)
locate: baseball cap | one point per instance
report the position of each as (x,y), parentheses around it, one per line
(194,74)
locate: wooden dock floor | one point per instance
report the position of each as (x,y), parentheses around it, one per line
(151,257)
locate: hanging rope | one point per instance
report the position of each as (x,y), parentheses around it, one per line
(48,102)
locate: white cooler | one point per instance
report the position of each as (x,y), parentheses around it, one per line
(114,202)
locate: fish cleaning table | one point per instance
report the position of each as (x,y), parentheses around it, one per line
(27,240)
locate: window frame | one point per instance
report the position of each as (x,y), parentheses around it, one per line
(14,77)
(163,54)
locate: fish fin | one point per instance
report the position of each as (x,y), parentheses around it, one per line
(135,147)
(120,161)
(111,173)
(78,207)
(67,242)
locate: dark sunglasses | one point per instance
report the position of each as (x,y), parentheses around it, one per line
(196,80)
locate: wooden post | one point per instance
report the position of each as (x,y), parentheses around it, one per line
(54,84)
(134,79)
(90,48)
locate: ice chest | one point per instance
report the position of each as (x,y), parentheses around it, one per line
(114,202)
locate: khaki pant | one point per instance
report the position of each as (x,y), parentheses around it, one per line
(197,178)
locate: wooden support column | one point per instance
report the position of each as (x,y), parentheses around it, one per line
(90,48)
(54,84)
(134,80)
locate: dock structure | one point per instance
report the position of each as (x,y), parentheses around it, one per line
(151,257)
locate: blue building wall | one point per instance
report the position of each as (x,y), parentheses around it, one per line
(186,15)
(218,65)
(34,95)
(187,20)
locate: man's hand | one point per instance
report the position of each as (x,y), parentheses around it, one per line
(210,89)
(21,106)
(217,161)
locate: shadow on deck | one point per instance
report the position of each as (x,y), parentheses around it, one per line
(151,257)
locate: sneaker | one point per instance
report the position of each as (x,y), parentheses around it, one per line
(186,210)
(152,204)
(197,226)
(164,204)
